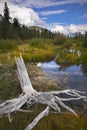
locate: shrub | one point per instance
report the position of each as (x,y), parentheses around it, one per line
(85,40)
(38,43)
(59,39)
(6,45)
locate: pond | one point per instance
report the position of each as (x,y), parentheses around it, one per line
(76,74)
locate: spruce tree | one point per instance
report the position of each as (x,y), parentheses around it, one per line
(16,22)
(6,12)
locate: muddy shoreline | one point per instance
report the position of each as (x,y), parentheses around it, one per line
(41,80)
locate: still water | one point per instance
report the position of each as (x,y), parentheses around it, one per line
(76,75)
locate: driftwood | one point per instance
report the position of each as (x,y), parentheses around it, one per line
(31,96)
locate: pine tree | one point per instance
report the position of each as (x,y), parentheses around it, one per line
(16,22)
(6,12)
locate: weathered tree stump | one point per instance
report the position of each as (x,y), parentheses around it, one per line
(31,96)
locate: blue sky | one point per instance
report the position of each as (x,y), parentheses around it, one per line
(66,16)
(73,14)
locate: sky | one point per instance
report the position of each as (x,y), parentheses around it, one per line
(65,16)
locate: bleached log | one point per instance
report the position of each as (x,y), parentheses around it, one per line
(31,96)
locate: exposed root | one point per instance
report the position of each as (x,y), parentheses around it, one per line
(30,96)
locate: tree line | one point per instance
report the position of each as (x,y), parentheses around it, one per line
(14,30)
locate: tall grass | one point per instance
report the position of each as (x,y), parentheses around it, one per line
(6,45)
(34,50)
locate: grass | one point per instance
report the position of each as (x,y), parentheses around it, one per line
(51,122)
(33,51)
(36,50)
(39,51)
(67,57)
(7,45)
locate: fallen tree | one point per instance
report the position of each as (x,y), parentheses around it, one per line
(30,96)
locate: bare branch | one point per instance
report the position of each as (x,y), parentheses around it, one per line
(38,117)
(21,110)
(9,117)
(66,107)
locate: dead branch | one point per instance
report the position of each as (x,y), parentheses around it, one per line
(39,117)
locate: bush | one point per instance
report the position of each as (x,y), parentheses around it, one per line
(37,43)
(85,42)
(59,39)
(6,45)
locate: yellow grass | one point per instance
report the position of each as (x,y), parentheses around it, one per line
(29,53)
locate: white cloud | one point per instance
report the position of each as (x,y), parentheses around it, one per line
(44,18)
(45,13)
(77,28)
(1,7)
(25,15)
(60,29)
(84,16)
(71,29)
(46,3)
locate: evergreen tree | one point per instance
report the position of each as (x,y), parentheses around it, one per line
(16,31)
(16,22)
(6,12)
(85,40)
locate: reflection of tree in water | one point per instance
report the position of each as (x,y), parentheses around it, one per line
(63,68)
(84,69)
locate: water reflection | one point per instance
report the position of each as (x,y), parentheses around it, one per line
(51,64)
(71,69)
(76,75)
(84,69)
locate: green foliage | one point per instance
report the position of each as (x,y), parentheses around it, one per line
(17,31)
(16,23)
(83,58)
(39,43)
(85,40)
(6,45)
(59,39)
(6,12)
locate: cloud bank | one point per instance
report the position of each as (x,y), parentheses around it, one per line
(25,15)
(71,29)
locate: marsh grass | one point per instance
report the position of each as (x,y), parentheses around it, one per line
(6,45)
(51,122)
(34,50)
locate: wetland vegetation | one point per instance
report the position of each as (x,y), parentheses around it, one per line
(38,45)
